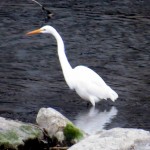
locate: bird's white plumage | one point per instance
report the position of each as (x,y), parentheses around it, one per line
(88,84)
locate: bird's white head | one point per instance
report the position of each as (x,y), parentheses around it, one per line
(44,29)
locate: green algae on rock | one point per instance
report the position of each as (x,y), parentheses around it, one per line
(32,131)
(10,139)
(58,127)
(15,133)
(72,133)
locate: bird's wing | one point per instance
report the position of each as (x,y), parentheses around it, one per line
(88,75)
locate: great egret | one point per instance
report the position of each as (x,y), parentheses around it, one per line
(87,84)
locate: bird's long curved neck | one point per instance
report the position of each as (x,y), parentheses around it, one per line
(66,67)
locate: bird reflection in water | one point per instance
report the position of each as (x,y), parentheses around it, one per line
(94,120)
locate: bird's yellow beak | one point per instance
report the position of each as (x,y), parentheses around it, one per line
(34,32)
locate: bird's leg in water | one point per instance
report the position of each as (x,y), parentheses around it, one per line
(92,100)
(88,104)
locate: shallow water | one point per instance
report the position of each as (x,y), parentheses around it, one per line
(110,37)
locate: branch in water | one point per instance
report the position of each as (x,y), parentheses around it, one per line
(47,13)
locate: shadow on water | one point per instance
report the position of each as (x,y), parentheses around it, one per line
(111,37)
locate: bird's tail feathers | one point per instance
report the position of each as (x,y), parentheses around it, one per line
(113,94)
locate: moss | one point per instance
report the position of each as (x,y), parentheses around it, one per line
(31,131)
(72,133)
(9,139)
(13,138)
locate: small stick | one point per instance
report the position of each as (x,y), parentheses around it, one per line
(37,3)
(48,14)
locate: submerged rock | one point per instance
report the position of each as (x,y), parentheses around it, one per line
(14,134)
(58,126)
(116,139)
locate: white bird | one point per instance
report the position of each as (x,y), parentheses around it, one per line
(87,83)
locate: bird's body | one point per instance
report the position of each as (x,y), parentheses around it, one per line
(87,83)
(90,86)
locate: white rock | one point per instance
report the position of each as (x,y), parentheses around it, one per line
(116,139)
(53,122)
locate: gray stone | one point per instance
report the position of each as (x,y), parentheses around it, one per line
(15,133)
(116,139)
(57,126)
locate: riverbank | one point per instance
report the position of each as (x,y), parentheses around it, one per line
(55,131)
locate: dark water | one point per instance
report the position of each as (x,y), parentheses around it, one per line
(110,37)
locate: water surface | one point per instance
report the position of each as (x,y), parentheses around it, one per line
(110,37)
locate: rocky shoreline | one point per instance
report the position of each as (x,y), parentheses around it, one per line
(54,131)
